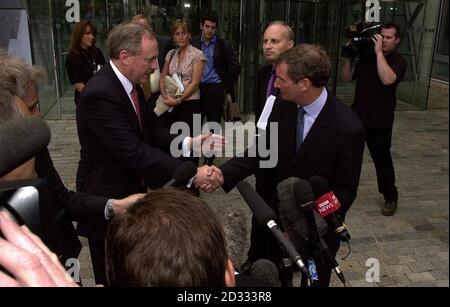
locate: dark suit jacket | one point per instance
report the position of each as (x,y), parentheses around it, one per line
(333,149)
(165,44)
(262,77)
(116,154)
(226,63)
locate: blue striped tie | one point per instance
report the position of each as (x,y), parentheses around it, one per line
(300,126)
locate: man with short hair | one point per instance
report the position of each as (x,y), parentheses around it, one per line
(317,136)
(221,71)
(124,150)
(377,76)
(160,242)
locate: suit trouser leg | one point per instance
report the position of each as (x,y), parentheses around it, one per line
(97,250)
(379,144)
(212,97)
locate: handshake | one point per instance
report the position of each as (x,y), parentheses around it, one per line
(208,178)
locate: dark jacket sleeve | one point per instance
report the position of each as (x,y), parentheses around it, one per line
(79,206)
(234,67)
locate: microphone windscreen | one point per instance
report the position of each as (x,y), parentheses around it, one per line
(319,186)
(265,270)
(20,140)
(292,219)
(185,171)
(235,229)
(261,211)
(303,194)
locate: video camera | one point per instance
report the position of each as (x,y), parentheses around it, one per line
(361,43)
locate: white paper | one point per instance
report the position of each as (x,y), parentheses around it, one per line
(264,118)
(178,82)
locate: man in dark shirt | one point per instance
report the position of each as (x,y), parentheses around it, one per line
(221,71)
(377,77)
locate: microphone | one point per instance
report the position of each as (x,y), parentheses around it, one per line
(327,204)
(265,270)
(185,171)
(304,198)
(234,227)
(264,215)
(20,140)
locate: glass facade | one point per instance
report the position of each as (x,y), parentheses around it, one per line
(50,22)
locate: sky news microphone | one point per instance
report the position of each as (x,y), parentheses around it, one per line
(327,204)
(182,175)
(264,215)
(20,140)
(304,196)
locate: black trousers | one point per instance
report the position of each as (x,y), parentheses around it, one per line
(97,250)
(211,99)
(379,144)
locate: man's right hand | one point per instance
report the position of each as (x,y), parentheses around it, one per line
(208,178)
(122,205)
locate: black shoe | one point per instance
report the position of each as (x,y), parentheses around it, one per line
(389,208)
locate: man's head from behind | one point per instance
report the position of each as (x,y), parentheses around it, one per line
(167,239)
(278,37)
(302,72)
(134,51)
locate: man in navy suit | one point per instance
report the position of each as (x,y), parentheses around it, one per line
(123,149)
(317,136)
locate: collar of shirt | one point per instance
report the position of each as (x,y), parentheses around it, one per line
(212,41)
(313,110)
(127,84)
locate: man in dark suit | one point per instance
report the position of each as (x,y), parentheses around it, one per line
(317,136)
(221,71)
(278,37)
(123,148)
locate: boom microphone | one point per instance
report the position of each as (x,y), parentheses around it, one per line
(304,197)
(327,204)
(20,140)
(185,171)
(265,270)
(264,215)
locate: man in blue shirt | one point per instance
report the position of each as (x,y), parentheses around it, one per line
(221,71)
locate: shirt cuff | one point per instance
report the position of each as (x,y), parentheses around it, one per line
(190,182)
(186,148)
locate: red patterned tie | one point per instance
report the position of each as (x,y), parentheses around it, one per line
(135,98)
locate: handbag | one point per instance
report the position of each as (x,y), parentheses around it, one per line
(230,109)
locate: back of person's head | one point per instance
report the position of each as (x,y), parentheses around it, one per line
(8,108)
(209,15)
(180,23)
(167,239)
(77,34)
(127,36)
(307,61)
(143,20)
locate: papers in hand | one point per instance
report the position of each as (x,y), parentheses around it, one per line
(264,118)
(178,82)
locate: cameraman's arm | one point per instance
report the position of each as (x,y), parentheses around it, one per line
(385,72)
(347,71)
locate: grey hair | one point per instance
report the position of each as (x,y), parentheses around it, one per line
(8,108)
(19,74)
(126,37)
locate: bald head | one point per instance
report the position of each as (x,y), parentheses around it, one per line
(278,37)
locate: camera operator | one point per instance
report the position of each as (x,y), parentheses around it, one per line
(377,76)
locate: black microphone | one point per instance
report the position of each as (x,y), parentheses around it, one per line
(185,171)
(327,204)
(266,271)
(304,197)
(264,215)
(234,227)
(20,140)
